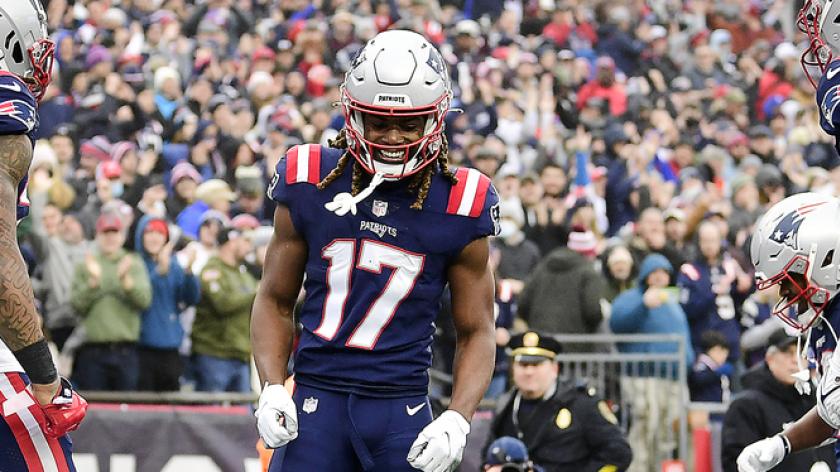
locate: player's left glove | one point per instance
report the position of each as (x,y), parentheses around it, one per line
(440,446)
(276,416)
(65,412)
(763,455)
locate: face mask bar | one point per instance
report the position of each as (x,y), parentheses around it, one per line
(818,54)
(41,56)
(808,293)
(425,149)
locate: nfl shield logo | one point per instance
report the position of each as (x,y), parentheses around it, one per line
(310,405)
(380,208)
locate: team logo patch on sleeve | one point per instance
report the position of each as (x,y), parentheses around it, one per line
(21,111)
(467,196)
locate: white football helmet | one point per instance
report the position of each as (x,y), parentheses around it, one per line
(799,235)
(398,73)
(25,49)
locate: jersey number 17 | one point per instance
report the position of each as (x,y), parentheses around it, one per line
(373,256)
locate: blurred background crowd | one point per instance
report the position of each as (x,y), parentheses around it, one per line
(633,144)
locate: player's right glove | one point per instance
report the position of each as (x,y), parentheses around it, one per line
(440,446)
(763,455)
(66,411)
(276,416)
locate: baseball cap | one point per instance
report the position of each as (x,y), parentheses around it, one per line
(263,53)
(228,234)
(97,147)
(780,340)
(184,170)
(505,450)
(532,347)
(468,27)
(157,226)
(108,222)
(657,32)
(760,131)
(214,190)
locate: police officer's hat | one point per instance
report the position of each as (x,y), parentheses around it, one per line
(506,450)
(532,347)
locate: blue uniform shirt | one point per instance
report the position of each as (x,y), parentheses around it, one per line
(374,280)
(823,344)
(18,115)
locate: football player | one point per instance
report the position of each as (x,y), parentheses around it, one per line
(378,224)
(37,416)
(795,246)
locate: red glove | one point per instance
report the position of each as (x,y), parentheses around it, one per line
(65,412)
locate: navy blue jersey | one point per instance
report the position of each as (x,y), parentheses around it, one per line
(374,280)
(17,116)
(823,344)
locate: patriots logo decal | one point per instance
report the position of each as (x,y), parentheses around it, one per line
(21,111)
(829,103)
(787,229)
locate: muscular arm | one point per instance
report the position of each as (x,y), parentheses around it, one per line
(808,431)
(19,322)
(471,282)
(272,326)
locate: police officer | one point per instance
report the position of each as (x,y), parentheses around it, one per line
(564,427)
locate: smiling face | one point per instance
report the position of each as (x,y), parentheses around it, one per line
(393,131)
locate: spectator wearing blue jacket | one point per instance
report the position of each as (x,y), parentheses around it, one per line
(653,390)
(173,287)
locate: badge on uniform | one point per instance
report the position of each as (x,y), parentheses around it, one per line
(564,418)
(380,208)
(310,405)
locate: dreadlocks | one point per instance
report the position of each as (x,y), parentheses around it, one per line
(419,182)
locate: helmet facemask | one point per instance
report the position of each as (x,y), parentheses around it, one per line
(787,308)
(41,56)
(415,155)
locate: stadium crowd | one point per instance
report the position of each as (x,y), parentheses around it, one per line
(633,146)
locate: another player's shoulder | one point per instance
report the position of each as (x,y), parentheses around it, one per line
(472,196)
(307,163)
(17,106)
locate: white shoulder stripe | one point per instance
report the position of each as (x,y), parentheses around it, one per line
(468,197)
(302,163)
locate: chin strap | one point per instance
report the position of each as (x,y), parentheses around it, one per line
(345,202)
(803,376)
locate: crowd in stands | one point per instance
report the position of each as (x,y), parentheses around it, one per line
(633,146)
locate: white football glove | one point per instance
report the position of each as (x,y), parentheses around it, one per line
(828,393)
(440,446)
(763,455)
(276,416)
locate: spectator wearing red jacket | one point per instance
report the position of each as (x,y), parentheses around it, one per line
(604,86)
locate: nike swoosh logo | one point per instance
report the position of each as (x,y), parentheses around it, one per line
(831,73)
(413,411)
(13,87)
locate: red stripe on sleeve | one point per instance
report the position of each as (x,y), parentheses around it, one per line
(314,164)
(55,446)
(480,196)
(457,192)
(24,440)
(291,165)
